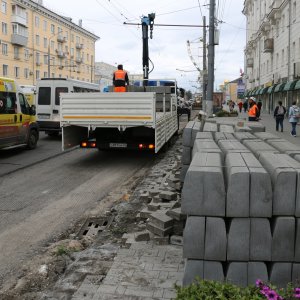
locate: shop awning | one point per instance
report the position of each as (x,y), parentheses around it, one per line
(263,91)
(271,89)
(297,85)
(257,91)
(289,86)
(253,92)
(279,87)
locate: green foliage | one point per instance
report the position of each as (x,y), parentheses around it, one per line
(61,250)
(225,113)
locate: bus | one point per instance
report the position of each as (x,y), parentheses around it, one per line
(48,100)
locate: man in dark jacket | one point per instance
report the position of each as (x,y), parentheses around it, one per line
(279,113)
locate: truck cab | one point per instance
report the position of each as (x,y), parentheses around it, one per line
(18,126)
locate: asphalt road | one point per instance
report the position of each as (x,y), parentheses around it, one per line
(40,201)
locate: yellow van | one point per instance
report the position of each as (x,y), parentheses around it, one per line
(18,126)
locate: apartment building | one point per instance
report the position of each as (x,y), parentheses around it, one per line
(272,52)
(36,42)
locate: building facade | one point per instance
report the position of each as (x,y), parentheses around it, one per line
(272,53)
(35,42)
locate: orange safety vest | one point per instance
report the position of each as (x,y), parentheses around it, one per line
(253,111)
(120,75)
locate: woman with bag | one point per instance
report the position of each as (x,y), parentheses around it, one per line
(294,115)
(279,113)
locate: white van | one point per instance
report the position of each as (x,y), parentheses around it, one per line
(48,100)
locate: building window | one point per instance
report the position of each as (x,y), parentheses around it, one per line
(45,42)
(16,53)
(77,39)
(26,54)
(4,49)
(37,40)
(37,57)
(45,59)
(45,25)
(283,23)
(59,30)
(67,35)
(52,29)
(52,45)
(37,74)
(72,52)
(294,51)
(17,72)
(26,72)
(4,7)
(5,70)
(4,28)
(282,58)
(52,75)
(45,74)
(294,11)
(37,22)
(72,37)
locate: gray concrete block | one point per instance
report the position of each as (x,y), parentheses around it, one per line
(241,136)
(210,127)
(237,273)
(258,147)
(205,146)
(238,243)
(281,274)
(183,171)
(213,270)
(192,269)
(260,240)
(265,136)
(168,195)
(242,129)
(283,241)
(295,273)
(215,239)
(162,232)
(187,134)
(203,191)
(257,270)
(286,147)
(226,128)
(237,181)
(204,136)
(232,146)
(194,237)
(176,214)
(186,155)
(255,126)
(161,220)
(297,241)
(223,136)
(195,130)
(284,179)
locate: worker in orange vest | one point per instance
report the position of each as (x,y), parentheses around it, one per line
(253,110)
(120,80)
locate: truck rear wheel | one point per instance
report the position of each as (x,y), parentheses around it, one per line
(32,139)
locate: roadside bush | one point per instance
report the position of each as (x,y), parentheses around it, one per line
(225,113)
(214,290)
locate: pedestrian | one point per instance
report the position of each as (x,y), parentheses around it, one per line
(120,79)
(245,104)
(294,114)
(240,104)
(279,113)
(253,110)
(259,105)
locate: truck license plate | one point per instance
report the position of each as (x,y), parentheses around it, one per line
(117,145)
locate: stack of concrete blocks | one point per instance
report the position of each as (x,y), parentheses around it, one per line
(241,195)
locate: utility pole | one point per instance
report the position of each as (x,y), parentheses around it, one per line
(211,59)
(204,72)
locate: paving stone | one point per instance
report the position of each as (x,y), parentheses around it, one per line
(237,273)
(152,206)
(193,268)
(176,214)
(167,195)
(297,241)
(204,136)
(162,232)
(238,243)
(206,146)
(161,220)
(215,239)
(210,127)
(187,134)
(265,136)
(286,147)
(186,155)
(176,240)
(142,236)
(213,270)
(232,146)
(257,270)
(160,240)
(145,213)
(281,274)
(237,180)
(284,178)
(193,238)
(226,128)
(258,147)
(241,136)
(260,240)
(203,191)
(283,241)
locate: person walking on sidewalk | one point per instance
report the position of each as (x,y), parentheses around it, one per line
(294,114)
(253,110)
(240,104)
(279,113)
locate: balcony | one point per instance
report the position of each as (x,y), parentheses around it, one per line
(60,54)
(250,62)
(268,45)
(61,38)
(79,46)
(19,19)
(19,40)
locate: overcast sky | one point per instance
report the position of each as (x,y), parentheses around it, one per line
(120,43)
